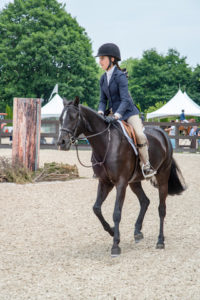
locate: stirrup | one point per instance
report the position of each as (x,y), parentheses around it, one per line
(147,167)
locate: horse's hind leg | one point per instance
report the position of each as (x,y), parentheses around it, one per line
(144,203)
(102,193)
(163,192)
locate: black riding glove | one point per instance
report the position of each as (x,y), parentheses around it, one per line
(110,119)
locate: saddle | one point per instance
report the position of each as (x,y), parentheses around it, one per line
(130,131)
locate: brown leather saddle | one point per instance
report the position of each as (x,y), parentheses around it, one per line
(130,131)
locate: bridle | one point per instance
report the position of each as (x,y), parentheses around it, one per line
(73,137)
(74,140)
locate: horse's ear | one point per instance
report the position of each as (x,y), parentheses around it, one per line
(65,102)
(76,101)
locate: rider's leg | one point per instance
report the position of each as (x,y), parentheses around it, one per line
(136,123)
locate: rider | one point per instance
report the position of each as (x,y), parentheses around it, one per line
(182,117)
(114,90)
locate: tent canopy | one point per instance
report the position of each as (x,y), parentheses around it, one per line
(174,107)
(53,108)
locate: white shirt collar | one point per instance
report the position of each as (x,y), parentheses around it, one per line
(109,73)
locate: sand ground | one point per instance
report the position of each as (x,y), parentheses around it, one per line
(53,246)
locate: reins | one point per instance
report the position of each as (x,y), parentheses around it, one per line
(97,163)
(74,141)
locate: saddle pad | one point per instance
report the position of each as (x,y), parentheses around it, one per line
(130,140)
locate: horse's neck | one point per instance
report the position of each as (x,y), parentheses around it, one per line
(93,124)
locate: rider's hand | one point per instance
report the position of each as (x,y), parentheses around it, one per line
(110,119)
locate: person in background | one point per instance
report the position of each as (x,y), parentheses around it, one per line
(182,117)
(198,141)
(193,131)
(171,131)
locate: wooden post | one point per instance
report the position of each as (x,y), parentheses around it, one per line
(26,132)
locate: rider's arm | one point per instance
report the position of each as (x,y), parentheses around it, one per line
(103,98)
(124,95)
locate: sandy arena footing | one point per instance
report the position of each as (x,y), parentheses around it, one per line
(54,247)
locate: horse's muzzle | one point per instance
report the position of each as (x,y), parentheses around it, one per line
(64,143)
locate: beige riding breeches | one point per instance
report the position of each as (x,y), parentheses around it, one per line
(136,123)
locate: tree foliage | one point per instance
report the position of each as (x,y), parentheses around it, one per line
(156,106)
(156,77)
(41,45)
(9,112)
(194,85)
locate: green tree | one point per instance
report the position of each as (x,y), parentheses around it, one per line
(194,86)
(155,107)
(129,64)
(9,112)
(156,77)
(41,45)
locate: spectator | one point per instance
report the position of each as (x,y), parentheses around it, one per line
(182,117)
(198,141)
(193,131)
(171,131)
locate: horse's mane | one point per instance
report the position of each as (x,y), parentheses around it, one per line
(90,112)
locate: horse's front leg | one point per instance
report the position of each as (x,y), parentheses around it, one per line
(103,190)
(163,192)
(121,191)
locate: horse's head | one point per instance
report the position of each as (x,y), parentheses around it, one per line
(69,121)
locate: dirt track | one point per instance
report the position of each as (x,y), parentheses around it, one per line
(53,246)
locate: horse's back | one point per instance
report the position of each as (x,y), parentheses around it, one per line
(160,148)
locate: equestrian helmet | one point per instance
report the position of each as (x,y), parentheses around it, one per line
(109,49)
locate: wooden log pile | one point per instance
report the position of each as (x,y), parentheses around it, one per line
(55,171)
(50,172)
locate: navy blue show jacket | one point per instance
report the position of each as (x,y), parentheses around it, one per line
(116,95)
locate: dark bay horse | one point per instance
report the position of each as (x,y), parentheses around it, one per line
(115,164)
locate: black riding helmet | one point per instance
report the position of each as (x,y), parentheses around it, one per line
(109,49)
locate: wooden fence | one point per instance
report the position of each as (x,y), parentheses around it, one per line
(183,143)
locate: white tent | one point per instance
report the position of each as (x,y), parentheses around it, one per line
(53,108)
(189,99)
(174,107)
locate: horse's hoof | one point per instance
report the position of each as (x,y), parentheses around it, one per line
(115,252)
(138,237)
(160,246)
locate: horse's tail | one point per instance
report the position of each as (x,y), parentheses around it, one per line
(176,182)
